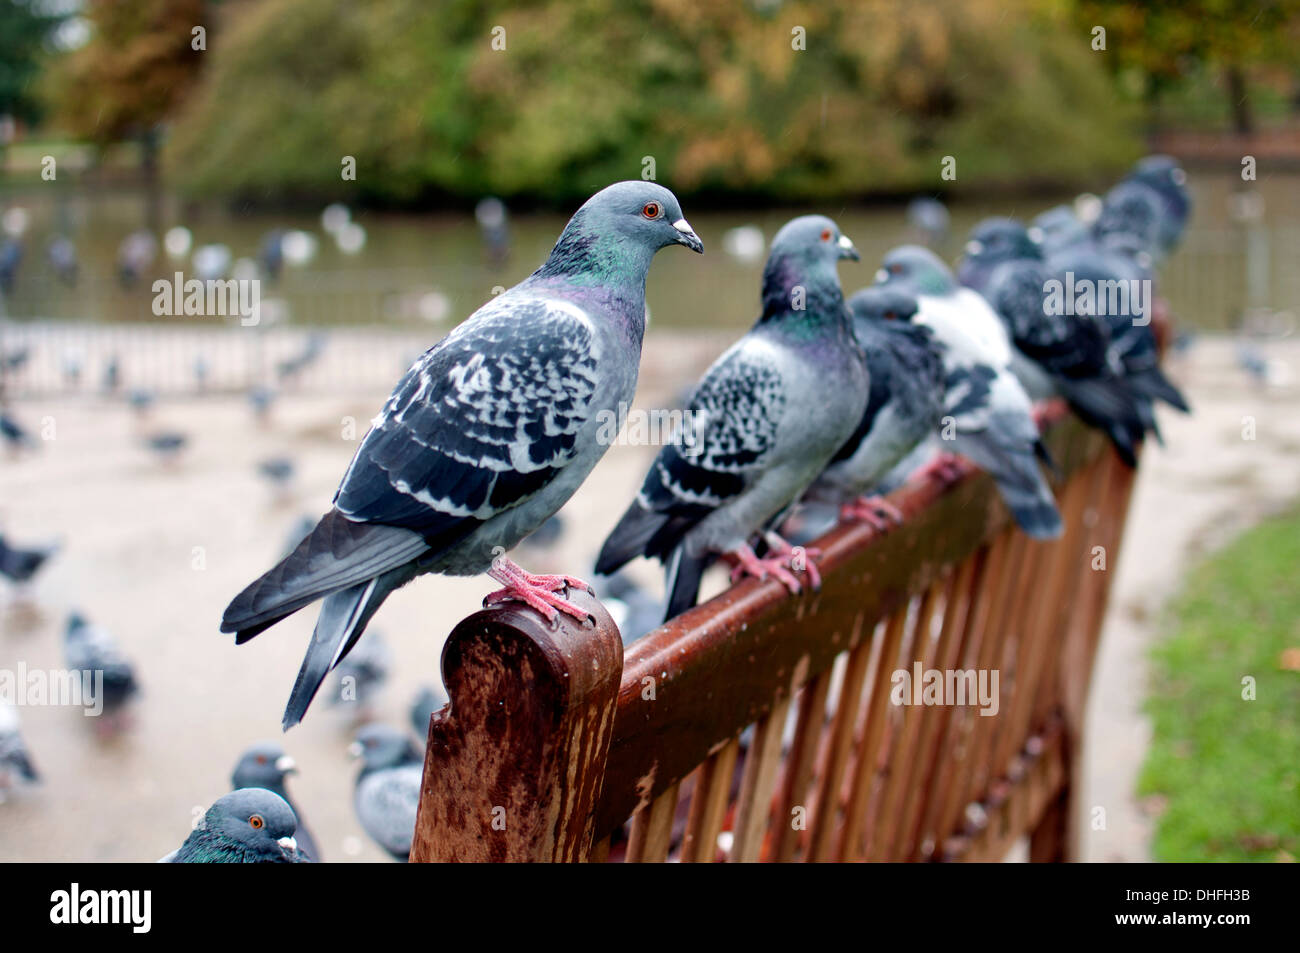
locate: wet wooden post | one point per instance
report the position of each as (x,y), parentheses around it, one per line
(514,766)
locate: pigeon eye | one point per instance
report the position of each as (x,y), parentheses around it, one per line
(261,759)
(651,210)
(890,315)
(826,234)
(256,822)
(895,269)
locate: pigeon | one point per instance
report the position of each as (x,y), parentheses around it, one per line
(293,366)
(363,674)
(15,436)
(14,757)
(387,791)
(112,375)
(270,254)
(1167,179)
(20,565)
(62,255)
(141,400)
(167,444)
(488,434)
(763,422)
(633,610)
(992,419)
(265,765)
(1057,229)
(17,360)
(248,826)
(494,228)
(260,399)
(11,256)
(929,217)
(904,407)
(135,256)
(1130,223)
(278,471)
(427,701)
(1054,353)
(90,649)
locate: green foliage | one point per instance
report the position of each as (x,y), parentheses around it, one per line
(586,89)
(1230,768)
(25,29)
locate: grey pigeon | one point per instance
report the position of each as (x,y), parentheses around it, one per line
(11,256)
(992,416)
(387,791)
(904,407)
(62,255)
(764,421)
(362,675)
(1058,228)
(1063,353)
(15,435)
(248,826)
(14,757)
(265,765)
(166,444)
(1164,175)
(488,434)
(91,649)
(428,700)
(295,365)
(20,565)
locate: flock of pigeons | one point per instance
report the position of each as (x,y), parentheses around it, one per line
(824,402)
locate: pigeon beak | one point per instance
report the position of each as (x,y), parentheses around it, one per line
(848,249)
(882,276)
(355,750)
(974,247)
(1036,235)
(286,765)
(288,843)
(686,236)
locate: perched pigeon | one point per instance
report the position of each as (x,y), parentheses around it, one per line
(427,701)
(14,758)
(1058,228)
(1130,223)
(248,826)
(387,791)
(1061,353)
(90,649)
(992,416)
(265,765)
(1169,181)
(904,406)
(20,565)
(488,434)
(764,421)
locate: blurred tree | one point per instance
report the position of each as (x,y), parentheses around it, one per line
(1164,42)
(25,30)
(138,66)
(556,98)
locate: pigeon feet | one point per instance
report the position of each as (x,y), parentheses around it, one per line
(875,510)
(946,466)
(748,564)
(543,593)
(797,558)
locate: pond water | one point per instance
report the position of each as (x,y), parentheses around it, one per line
(434,265)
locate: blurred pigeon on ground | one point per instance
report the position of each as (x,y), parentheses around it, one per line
(494,228)
(15,437)
(17,360)
(135,256)
(293,366)
(484,439)
(265,765)
(362,675)
(993,423)
(167,445)
(112,375)
(14,757)
(930,218)
(279,472)
(249,826)
(141,400)
(904,407)
(387,792)
(11,256)
(428,700)
(62,255)
(765,420)
(1056,350)
(270,254)
(261,400)
(91,649)
(19,565)
(633,610)
(201,372)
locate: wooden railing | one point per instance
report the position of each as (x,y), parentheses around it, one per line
(760,726)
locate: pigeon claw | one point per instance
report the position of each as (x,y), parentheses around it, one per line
(544,593)
(797,558)
(874,510)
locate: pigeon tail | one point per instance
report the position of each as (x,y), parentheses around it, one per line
(629,538)
(1153,383)
(683,574)
(1019,481)
(1109,405)
(343,617)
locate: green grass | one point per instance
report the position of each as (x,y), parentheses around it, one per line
(1229,768)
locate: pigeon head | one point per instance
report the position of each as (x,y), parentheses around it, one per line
(616,233)
(1166,176)
(1058,228)
(917,270)
(264,765)
(1130,220)
(803,256)
(253,820)
(996,240)
(379,747)
(76,622)
(881,303)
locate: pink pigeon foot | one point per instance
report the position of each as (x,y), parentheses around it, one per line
(946,466)
(797,558)
(874,510)
(748,564)
(540,592)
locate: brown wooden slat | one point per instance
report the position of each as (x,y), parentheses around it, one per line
(754,807)
(874,729)
(652,829)
(839,744)
(709,804)
(810,726)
